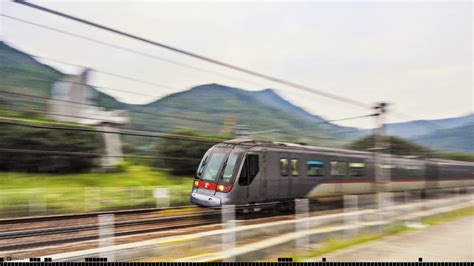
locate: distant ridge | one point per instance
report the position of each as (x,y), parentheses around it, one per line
(260,110)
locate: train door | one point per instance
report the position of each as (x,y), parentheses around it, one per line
(272,175)
(256,174)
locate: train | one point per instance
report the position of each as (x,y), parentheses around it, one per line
(249,172)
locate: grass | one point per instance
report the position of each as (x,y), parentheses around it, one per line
(449,216)
(332,245)
(27,193)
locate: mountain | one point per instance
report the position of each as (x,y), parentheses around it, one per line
(452,139)
(449,134)
(209,107)
(215,103)
(24,74)
(418,128)
(214,108)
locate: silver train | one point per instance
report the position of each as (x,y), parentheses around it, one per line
(246,172)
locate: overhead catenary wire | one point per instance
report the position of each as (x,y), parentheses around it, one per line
(200,57)
(123,48)
(134,111)
(162,86)
(74,153)
(283,132)
(18,122)
(171,116)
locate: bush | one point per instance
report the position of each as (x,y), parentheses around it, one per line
(185,154)
(396,146)
(45,150)
(458,156)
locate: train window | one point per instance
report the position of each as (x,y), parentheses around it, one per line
(283,167)
(356,169)
(213,166)
(249,170)
(417,171)
(338,168)
(314,168)
(203,163)
(230,165)
(294,167)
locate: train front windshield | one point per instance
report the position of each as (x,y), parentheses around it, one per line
(219,165)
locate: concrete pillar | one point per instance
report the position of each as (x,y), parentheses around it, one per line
(351,204)
(228,238)
(302,224)
(106,234)
(113,145)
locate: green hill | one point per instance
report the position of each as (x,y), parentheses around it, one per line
(203,108)
(451,139)
(208,107)
(24,74)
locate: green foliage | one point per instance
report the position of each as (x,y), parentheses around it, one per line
(31,140)
(21,73)
(401,146)
(183,156)
(458,156)
(396,146)
(64,193)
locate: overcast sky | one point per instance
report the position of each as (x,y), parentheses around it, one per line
(416,55)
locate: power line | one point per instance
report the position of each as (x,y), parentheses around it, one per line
(276,131)
(206,121)
(39,111)
(163,86)
(85,84)
(348,118)
(17,122)
(123,48)
(201,57)
(134,111)
(151,132)
(73,153)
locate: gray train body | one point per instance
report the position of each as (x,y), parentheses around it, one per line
(246,172)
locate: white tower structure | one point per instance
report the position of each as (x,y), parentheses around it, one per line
(72,102)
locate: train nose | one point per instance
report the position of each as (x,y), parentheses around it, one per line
(205,200)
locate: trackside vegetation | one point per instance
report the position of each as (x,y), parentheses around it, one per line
(41,150)
(399,146)
(45,193)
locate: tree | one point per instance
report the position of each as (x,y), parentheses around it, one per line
(182,157)
(29,149)
(401,146)
(396,146)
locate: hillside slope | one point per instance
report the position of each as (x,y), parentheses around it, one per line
(23,73)
(208,107)
(451,139)
(415,129)
(204,107)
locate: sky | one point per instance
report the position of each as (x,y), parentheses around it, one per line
(415,55)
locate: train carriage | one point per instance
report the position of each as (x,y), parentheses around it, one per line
(247,172)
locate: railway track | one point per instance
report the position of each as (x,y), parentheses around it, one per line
(22,235)
(35,232)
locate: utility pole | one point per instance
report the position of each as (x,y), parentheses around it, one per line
(382,169)
(380,144)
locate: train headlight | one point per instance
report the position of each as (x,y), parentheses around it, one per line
(224,188)
(196,183)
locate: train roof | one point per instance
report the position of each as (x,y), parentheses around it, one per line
(283,145)
(274,144)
